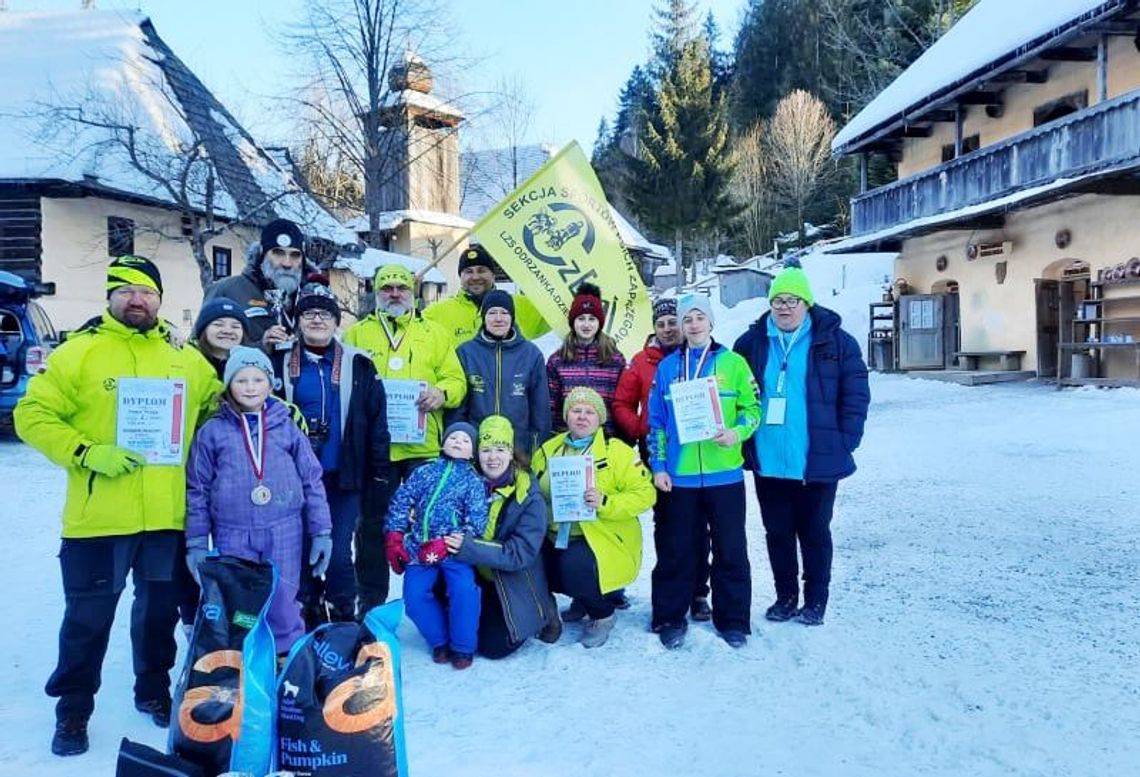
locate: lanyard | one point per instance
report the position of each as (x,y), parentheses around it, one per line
(700,361)
(256,460)
(393,342)
(786,349)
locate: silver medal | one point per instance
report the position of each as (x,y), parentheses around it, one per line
(260,495)
(395,363)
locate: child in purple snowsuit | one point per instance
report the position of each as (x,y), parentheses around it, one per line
(447,497)
(253,483)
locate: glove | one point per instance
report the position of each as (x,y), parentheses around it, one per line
(398,557)
(111,460)
(433,551)
(196,553)
(321,553)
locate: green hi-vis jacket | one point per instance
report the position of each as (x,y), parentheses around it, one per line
(627,491)
(460,316)
(423,351)
(73,404)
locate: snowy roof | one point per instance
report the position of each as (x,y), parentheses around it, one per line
(391,219)
(115,67)
(633,239)
(993,34)
(426,102)
(372,259)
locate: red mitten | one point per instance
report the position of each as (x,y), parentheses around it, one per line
(433,551)
(398,557)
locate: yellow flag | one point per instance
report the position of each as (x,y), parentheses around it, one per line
(555,232)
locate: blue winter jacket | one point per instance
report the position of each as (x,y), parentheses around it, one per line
(838,393)
(438,498)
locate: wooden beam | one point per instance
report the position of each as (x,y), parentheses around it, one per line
(1021,77)
(917,131)
(1115,28)
(862,173)
(1102,69)
(982,222)
(1070,54)
(940,115)
(959,120)
(980,98)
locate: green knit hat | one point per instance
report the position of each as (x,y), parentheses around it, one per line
(794,281)
(393,275)
(496,432)
(584,394)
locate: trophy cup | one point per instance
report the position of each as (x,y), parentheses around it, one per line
(276,299)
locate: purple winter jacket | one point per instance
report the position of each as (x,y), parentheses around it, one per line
(219,477)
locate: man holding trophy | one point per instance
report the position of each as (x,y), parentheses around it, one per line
(267,288)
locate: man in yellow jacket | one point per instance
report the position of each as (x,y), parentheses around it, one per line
(461,315)
(103,390)
(407,350)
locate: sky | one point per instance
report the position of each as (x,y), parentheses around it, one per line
(571,58)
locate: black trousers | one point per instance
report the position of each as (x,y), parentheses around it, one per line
(677,536)
(574,572)
(372,577)
(494,637)
(796,511)
(94,575)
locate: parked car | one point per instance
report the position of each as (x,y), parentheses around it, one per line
(26,337)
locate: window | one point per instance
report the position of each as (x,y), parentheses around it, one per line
(120,236)
(972,143)
(223,262)
(1063,106)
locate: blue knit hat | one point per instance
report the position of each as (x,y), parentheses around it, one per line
(243,356)
(466,428)
(219,307)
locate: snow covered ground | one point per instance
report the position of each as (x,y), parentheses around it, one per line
(982,622)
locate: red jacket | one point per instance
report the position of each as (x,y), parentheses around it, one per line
(631,398)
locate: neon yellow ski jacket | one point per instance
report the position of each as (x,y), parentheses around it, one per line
(459,315)
(72,404)
(423,351)
(627,491)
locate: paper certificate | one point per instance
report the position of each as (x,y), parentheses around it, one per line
(150,418)
(570,476)
(696,409)
(406,422)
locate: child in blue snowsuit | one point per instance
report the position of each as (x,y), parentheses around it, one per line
(445,496)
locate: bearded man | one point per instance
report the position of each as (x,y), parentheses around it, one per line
(267,288)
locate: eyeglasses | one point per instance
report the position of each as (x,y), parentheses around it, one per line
(786,303)
(317,315)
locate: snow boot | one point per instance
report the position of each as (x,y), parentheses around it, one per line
(462,660)
(811,615)
(598,631)
(70,737)
(699,610)
(574,613)
(441,654)
(551,631)
(735,639)
(158,709)
(782,610)
(672,637)
(618,599)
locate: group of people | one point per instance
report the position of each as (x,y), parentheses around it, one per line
(294,456)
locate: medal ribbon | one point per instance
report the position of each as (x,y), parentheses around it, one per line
(700,361)
(257,461)
(393,341)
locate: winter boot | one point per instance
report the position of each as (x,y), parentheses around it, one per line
(699,610)
(574,613)
(672,637)
(441,654)
(811,615)
(618,599)
(782,610)
(462,660)
(735,639)
(158,709)
(552,629)
(598,631)
(70,737)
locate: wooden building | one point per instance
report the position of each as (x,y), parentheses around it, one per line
(1017,140)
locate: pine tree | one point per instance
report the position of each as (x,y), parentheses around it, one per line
(681,185)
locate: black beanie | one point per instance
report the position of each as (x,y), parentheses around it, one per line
(219,307)
(476,256)
(316,295)
(281,233)
(497,298)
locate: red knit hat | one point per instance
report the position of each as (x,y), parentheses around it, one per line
(588,299)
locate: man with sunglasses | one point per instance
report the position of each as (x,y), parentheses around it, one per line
(274,268)
(404,347)
(815,395)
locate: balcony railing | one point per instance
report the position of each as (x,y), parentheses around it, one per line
(1103,136)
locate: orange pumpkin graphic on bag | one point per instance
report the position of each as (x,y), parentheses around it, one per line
(219,697)
(364,701)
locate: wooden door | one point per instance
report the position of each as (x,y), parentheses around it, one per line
(922,343)
(1048,294)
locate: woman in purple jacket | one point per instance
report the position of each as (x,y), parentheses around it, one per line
(253,484)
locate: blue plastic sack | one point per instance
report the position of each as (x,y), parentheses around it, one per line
(339,701)
(224,703)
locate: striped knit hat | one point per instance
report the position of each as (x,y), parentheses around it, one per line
(132,270)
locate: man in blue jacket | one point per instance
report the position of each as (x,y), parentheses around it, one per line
(815,395)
